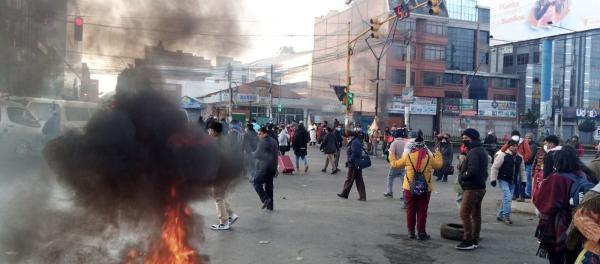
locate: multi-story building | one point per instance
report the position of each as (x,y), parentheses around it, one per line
(449,59)
(32,47)
(556,58)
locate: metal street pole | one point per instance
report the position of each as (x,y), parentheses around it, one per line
(407,83)
(271,96)
(229,71)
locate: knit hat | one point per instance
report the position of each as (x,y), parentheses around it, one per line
(471,133)
(217,126)
(515,133)
(419,141)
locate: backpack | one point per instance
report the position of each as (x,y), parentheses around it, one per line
(580,186)
(418,186)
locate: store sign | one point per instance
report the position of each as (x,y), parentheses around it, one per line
(467,107)
(246,98)
(583,113)
(497,108)
(421,106)
(451,106)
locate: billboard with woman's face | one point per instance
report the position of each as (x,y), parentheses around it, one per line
(515,20)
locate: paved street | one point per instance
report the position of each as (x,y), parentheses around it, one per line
(311,224)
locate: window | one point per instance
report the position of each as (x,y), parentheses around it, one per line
(400,51)
(77,113)
(484,58)
(43,110)
(453,79)
(432,78)
(435,28)
(22,117)
(523,59)
(459,52)
(434,53)
(502,97)
(536,57)
(484,37)
(484,15)
(406,25)
(505,83)
(399,77)
(508,60)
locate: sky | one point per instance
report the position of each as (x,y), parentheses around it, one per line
(272,19)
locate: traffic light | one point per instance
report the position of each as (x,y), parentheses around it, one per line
(402,11)
(434,6)
(350,99)
(375,25)
(78,29)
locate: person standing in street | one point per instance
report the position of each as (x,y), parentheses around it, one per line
(340,141)
(544,163)
(398,147)
(266,168)
(525,152)
(313,134)
(577,146)
(225,214)
(446,149)
(51,128)
(249,144)
(472,178)
(529,163)
(329,146)
(299,145)
(490,143)
(417,186)
(507,166)
(354,152)
(284,141)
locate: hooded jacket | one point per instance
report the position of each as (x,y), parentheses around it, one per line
(266,155)
(474,171)
(283,138)
(433,161)
(330,143)
(300,142)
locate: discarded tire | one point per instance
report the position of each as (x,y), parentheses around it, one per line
(452,231)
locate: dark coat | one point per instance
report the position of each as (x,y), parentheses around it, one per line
(446,150)
(354,152)
(474,171)
(250,141)
(266,155)
(301,139)
(329,144)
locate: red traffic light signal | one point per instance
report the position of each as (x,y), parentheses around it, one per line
(78,29)
(79,21)
(402,11)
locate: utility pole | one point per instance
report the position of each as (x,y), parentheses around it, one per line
(229,71)
(347,109)
(407,84)
(271,95)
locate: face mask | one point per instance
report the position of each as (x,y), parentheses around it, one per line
(467,143)
(546,148)
(339,129)
(516,138)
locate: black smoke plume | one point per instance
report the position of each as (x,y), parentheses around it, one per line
(134,151)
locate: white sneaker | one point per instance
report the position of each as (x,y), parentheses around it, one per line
(232,219)
(220,227)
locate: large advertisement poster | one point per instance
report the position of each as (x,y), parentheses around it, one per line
(497,108)
(515,20)
(421,106)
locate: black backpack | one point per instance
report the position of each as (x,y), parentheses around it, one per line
(418,186)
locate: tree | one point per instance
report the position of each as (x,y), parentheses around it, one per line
(530,120)
(589,125)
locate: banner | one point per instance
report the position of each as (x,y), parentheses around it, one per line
(467,107)
(497,108)
(421,106)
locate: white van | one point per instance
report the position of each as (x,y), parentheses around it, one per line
(73,114)
(20,131)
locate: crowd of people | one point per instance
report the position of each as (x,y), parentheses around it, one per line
(564,190)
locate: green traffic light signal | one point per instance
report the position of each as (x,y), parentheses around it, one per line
(350,98)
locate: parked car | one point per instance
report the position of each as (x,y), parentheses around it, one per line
(20,131)
(73,114)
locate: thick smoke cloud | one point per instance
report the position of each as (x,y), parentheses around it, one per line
(134,152)
(209,27)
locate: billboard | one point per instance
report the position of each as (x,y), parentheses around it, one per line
(497,108)
(515,20)
(421,106)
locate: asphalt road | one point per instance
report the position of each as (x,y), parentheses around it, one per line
(310,223)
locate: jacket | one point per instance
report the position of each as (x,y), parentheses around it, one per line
(329,144)
(524,150)
(283,138)
(446,150)
(490,143)
(354,152)
(474,172)
(534,151)
(266,155)
(435,162)
(300,142)
(250,141)
(588,223)
(595,168)
(506,167)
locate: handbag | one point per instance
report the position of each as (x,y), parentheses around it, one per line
(364,161)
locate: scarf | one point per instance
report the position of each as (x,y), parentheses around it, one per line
(422,153)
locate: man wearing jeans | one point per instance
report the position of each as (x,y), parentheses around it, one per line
(472,177)
(529,163)
(507,168)
(398,147)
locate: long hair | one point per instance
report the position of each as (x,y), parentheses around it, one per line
(566,160)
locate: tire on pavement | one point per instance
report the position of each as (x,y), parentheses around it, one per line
(452,231)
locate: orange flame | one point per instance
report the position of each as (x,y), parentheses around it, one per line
(173,247)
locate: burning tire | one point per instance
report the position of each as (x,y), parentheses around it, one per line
(452,231)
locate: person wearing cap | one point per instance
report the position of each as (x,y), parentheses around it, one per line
(354,152)
(445,148)
(419,160)
(507,166)
(472,177)
(398,147)
(491,143)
